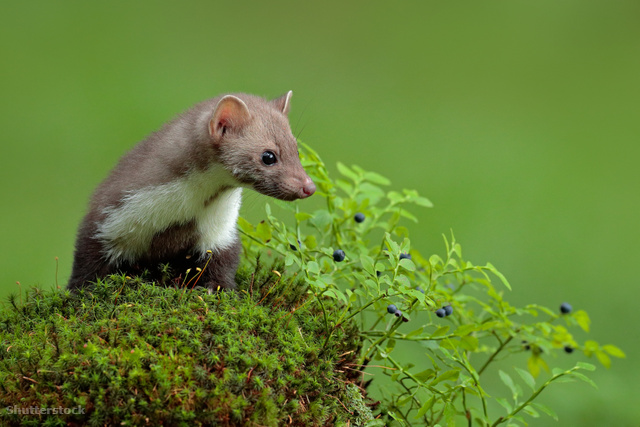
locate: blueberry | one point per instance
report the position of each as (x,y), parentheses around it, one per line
(419,289)
(293,247)
(338,255)
(398,313)
(448,309)
(378,273)
(565,308)
(404,319)
(440,312)
(526,345)
(391,308)
(568,349)
(359,217)
(405,256)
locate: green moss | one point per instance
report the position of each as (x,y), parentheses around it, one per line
(132,353)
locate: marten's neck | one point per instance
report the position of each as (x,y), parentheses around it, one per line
(208,199)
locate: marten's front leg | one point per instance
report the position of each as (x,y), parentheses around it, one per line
(220,272)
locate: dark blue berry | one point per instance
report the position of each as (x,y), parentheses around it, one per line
(338,255)
(419,289)
(565,308)
(404,319)
(391,308)
(398,313)
(448,310)
(359,217)
(568,349)
(405,256)
(378,273)
(293,247)
(440,312)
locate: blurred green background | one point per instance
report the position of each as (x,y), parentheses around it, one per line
(519,120)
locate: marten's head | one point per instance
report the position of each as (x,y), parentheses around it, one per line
(253,140)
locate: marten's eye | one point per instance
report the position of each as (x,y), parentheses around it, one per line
(268,158)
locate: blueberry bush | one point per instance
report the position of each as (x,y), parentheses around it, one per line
(356,250)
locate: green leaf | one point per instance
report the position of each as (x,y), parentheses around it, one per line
(395,197)
(527,378)
(405,213)
(505,404)
(586,366)
(289,259)
(469,343)
(531,411)
(310,242)
(603,358)
(584,378)
(583,320)
(407,264)
(313,267)
(321,218)
(336,294)
(403,280)
(393,246)
(415,333)
(245,225)
(417,295)
(451,375)
(401,231)
(435,260)
(372,285)
(303,216)
(564,379)
(424,375)
(465,329)
(441,331)
(458,250)
(391,344)
(370,192)
(590,347)
(614,351)
(263,231)
(284,205)
(425,407)
(406,245)
(367,264)
(499,275)
(344,186)
(347,172)
(422,201)
(506,379)
(376,178)
(450,415)
(546,410)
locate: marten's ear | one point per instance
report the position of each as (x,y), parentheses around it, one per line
(231,112)
(284,103)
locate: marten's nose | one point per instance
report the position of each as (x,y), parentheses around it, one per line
(308,188)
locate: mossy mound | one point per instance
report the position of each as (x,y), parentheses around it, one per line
(131,353)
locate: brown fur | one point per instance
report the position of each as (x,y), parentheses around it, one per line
(232,131)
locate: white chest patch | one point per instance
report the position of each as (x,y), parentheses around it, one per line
(128,229)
